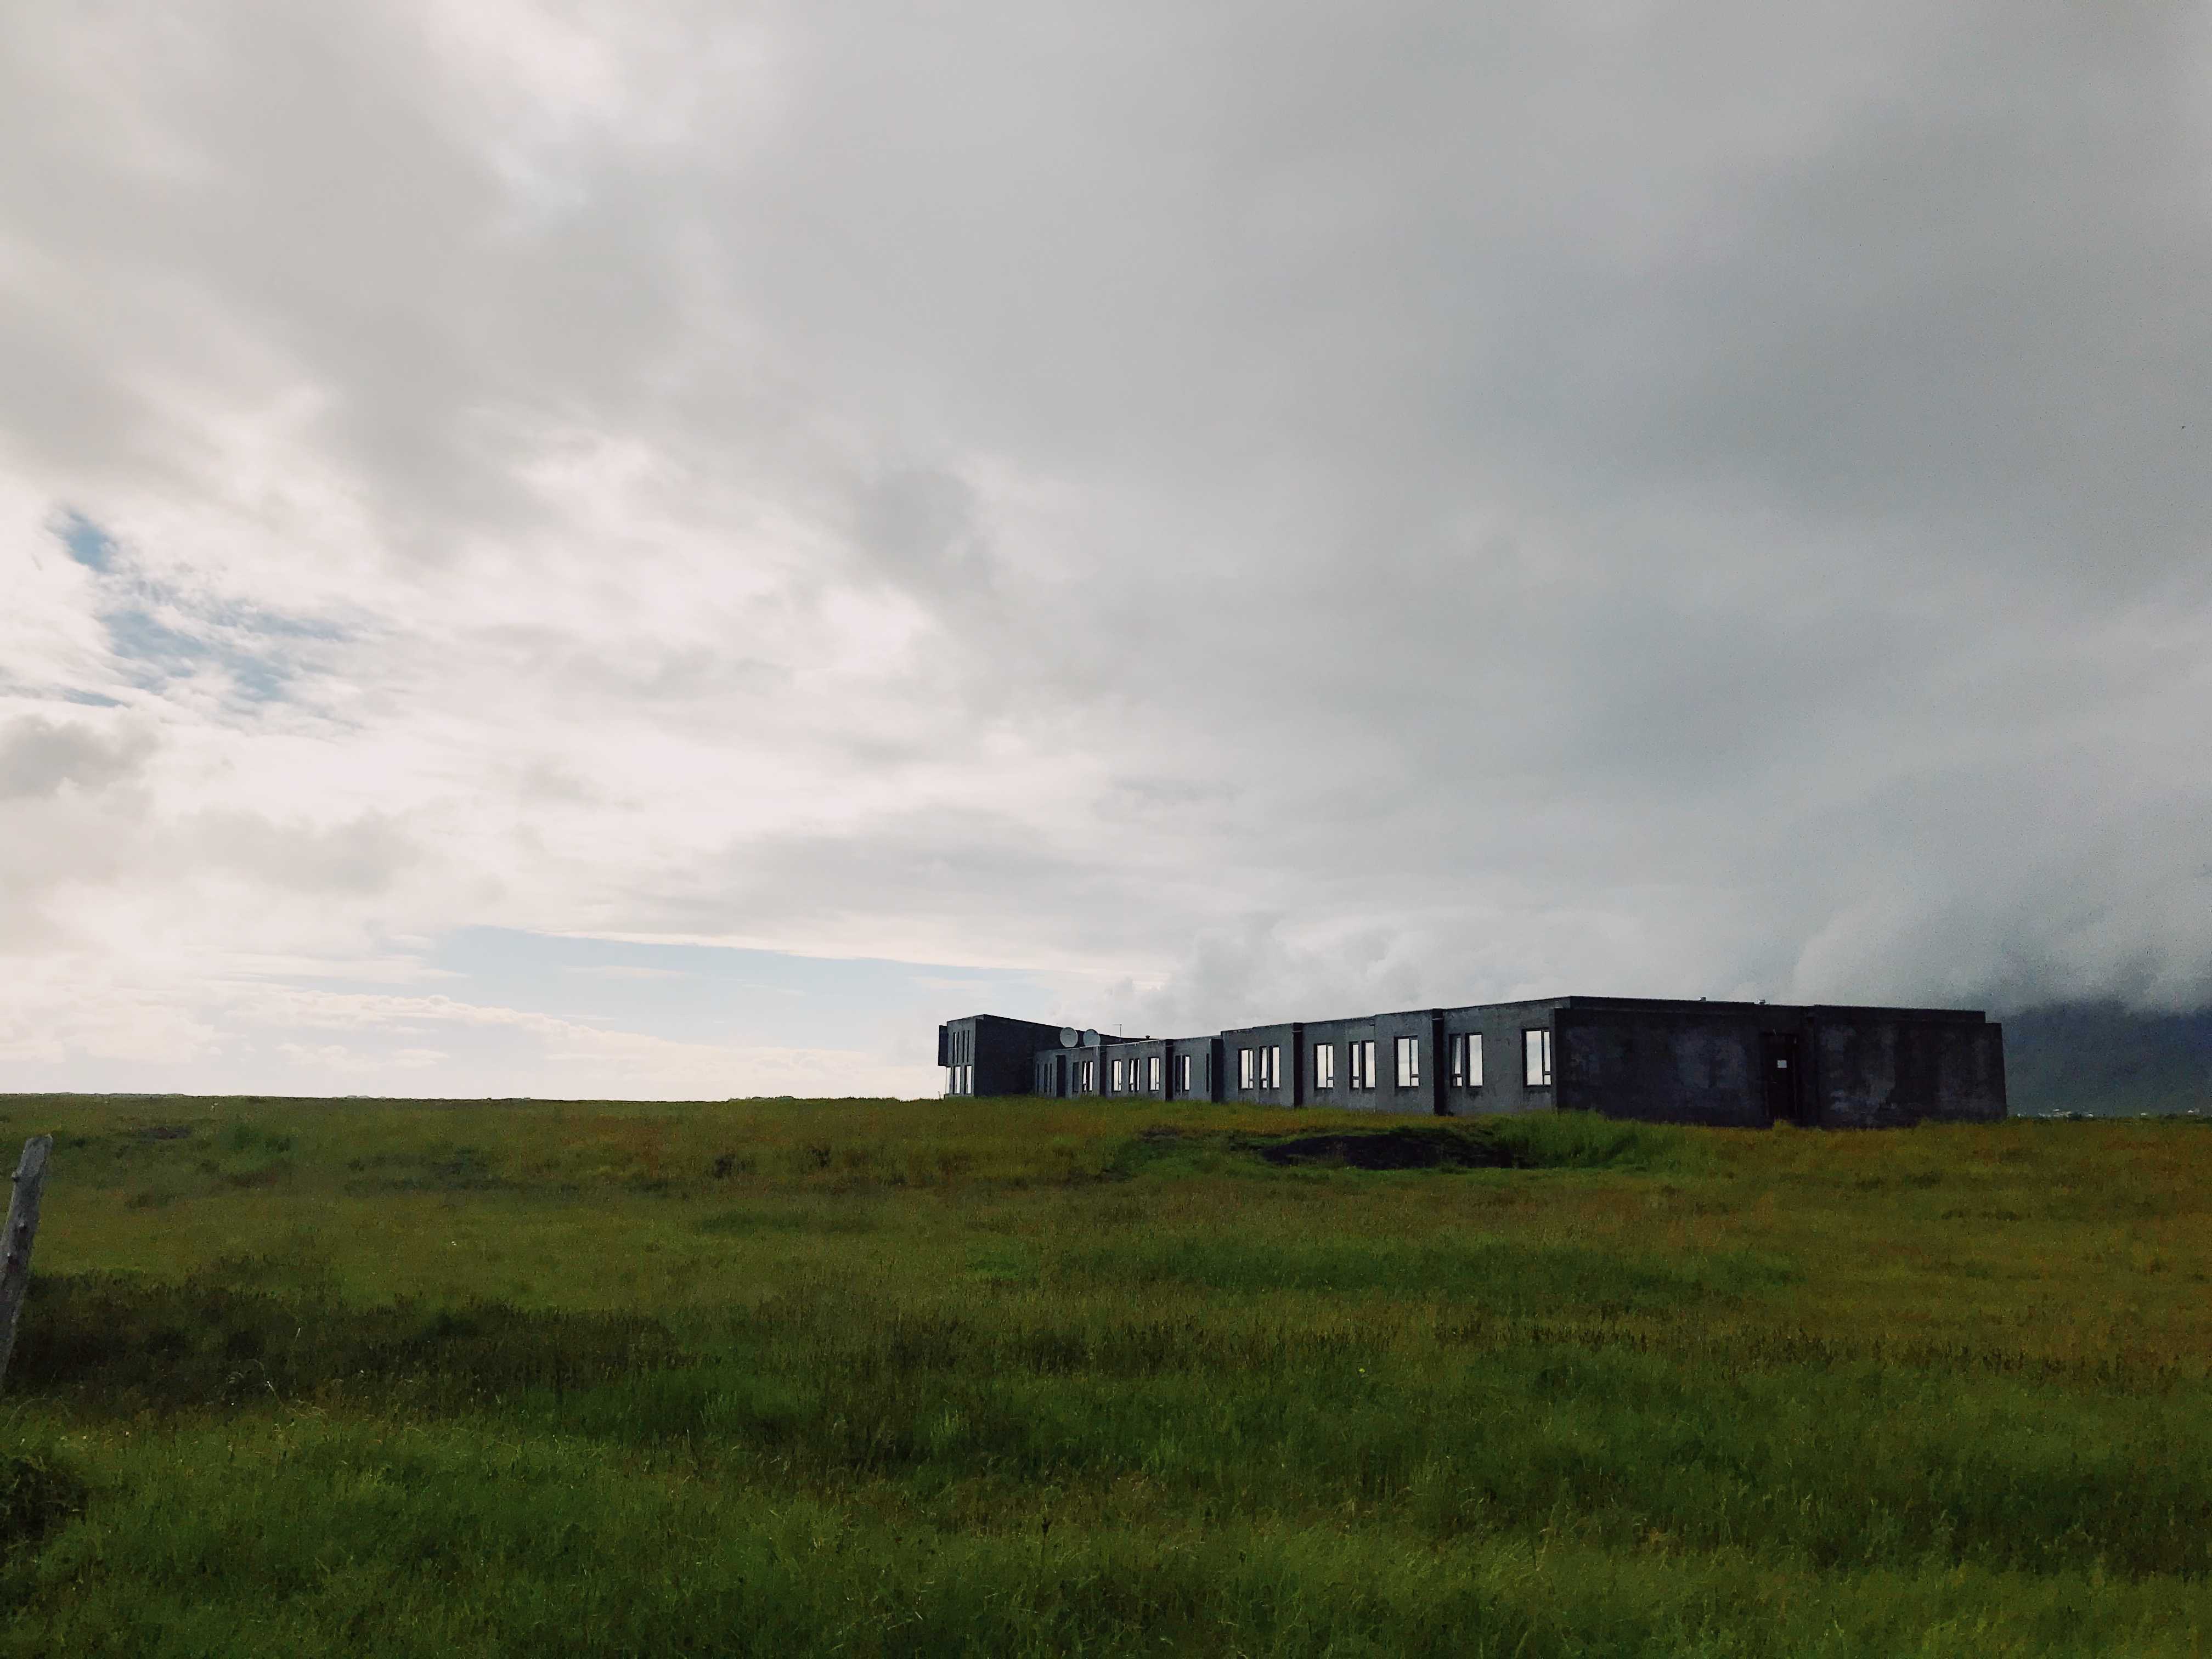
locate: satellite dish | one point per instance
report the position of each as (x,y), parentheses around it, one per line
(1090,1039)
(1068,1035)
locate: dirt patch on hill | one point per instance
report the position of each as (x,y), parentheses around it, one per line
(1391,1149)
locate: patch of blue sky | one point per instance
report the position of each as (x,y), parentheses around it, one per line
(157,651)
(710,993)
(12,687)
(86,542)
(161,636)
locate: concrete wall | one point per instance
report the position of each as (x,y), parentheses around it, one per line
(1001,1050)
(1717,1063)
(1050,1064)
(1099,1058)
(1135,1058)
(1421,1029)
(1289,1084)
(1422,1025)
(1141,1054)
(1170,1052)
(1338,1035)
(1663,1067)
(1505,1088)
(1873,1072)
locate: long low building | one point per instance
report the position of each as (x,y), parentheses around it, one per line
(1739,1064)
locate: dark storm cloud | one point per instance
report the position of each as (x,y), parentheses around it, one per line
(1749,456)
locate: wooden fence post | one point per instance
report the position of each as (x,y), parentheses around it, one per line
(22,1228)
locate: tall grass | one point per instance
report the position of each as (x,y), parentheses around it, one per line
(1014,1377)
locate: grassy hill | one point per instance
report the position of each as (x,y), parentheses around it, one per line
(1043,1377)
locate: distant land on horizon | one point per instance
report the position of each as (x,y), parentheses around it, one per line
(2097,1057)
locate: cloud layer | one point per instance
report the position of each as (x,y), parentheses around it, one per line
(1224,512)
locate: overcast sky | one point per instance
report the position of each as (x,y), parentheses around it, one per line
(637,549)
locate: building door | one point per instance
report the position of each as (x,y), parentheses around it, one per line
(1059,1077)
(1779,1058)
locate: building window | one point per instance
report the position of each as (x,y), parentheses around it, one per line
(1155,1066)
(1182,1085)
(1363,1064)
(1409,1062)
(1538,1046)
(1324,1066)
(1244,1067)
(1271,1067)
(1467,1061)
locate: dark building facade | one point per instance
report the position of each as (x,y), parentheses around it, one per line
(1740,1064)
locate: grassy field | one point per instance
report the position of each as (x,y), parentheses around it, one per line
(1011,1376)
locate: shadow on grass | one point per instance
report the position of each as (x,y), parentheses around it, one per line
(120,1342)
(39,1492)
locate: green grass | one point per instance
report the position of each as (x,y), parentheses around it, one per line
(1014,1377)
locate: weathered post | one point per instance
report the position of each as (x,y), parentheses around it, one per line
(22,1228)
